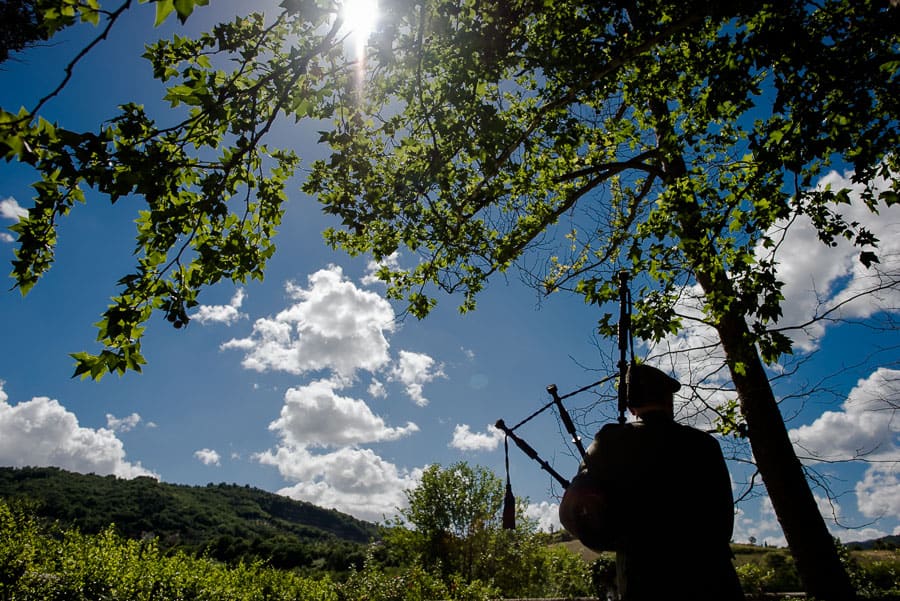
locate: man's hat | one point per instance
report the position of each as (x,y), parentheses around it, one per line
(647,384)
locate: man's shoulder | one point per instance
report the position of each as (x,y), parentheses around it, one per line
(693,431)
(697,438)
(612,430)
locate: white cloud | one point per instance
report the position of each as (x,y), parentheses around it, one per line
(546,514)
(333,325)
(817,277)
(227,314)
(838,522)
(414,370)
(208,456)
(10,209)
(865,425)
(41,432)
(763,527)
(316,415)
(695,356)
(878,493)
(392,261)
(466,440)
(335,329)
(376,389)
(123,424)
(355,481)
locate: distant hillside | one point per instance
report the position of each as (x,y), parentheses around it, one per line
(891,541)
(227,521)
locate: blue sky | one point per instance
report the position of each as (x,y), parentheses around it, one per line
(311,385)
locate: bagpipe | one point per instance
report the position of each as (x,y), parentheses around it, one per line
(625,342)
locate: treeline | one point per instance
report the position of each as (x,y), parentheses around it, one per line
(226,522)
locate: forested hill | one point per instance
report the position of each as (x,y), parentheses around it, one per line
(226,521)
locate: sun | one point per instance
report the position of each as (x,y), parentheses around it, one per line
(360,18)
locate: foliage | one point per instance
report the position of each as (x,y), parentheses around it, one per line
(566,574)
(48,563)
(878,580)
(19,27)
(603,576)
(754,579)
(410,583)
(518,132)
(454,514)
(40,560)
(227,522)
(214,192)
(772,571)
(886,543)
(765,571)
(452,528)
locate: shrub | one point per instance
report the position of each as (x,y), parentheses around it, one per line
(755,579)
(48,564)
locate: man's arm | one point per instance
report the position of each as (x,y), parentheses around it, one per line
(585,512)
(587,509)
(720,495)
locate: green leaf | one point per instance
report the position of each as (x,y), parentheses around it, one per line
(889,197)
(184,9)
(86,366)
(868,258)
(164,8)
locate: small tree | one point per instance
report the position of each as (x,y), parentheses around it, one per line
(452,526)
(453,512)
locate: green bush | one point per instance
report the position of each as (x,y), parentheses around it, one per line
(878,580)
(755,579)
(46,563)
(603,576)
(567,574)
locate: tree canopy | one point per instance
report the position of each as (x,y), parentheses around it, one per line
(671,141)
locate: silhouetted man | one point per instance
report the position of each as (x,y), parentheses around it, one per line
(659,494)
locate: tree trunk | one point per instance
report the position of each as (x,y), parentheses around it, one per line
(824,576)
